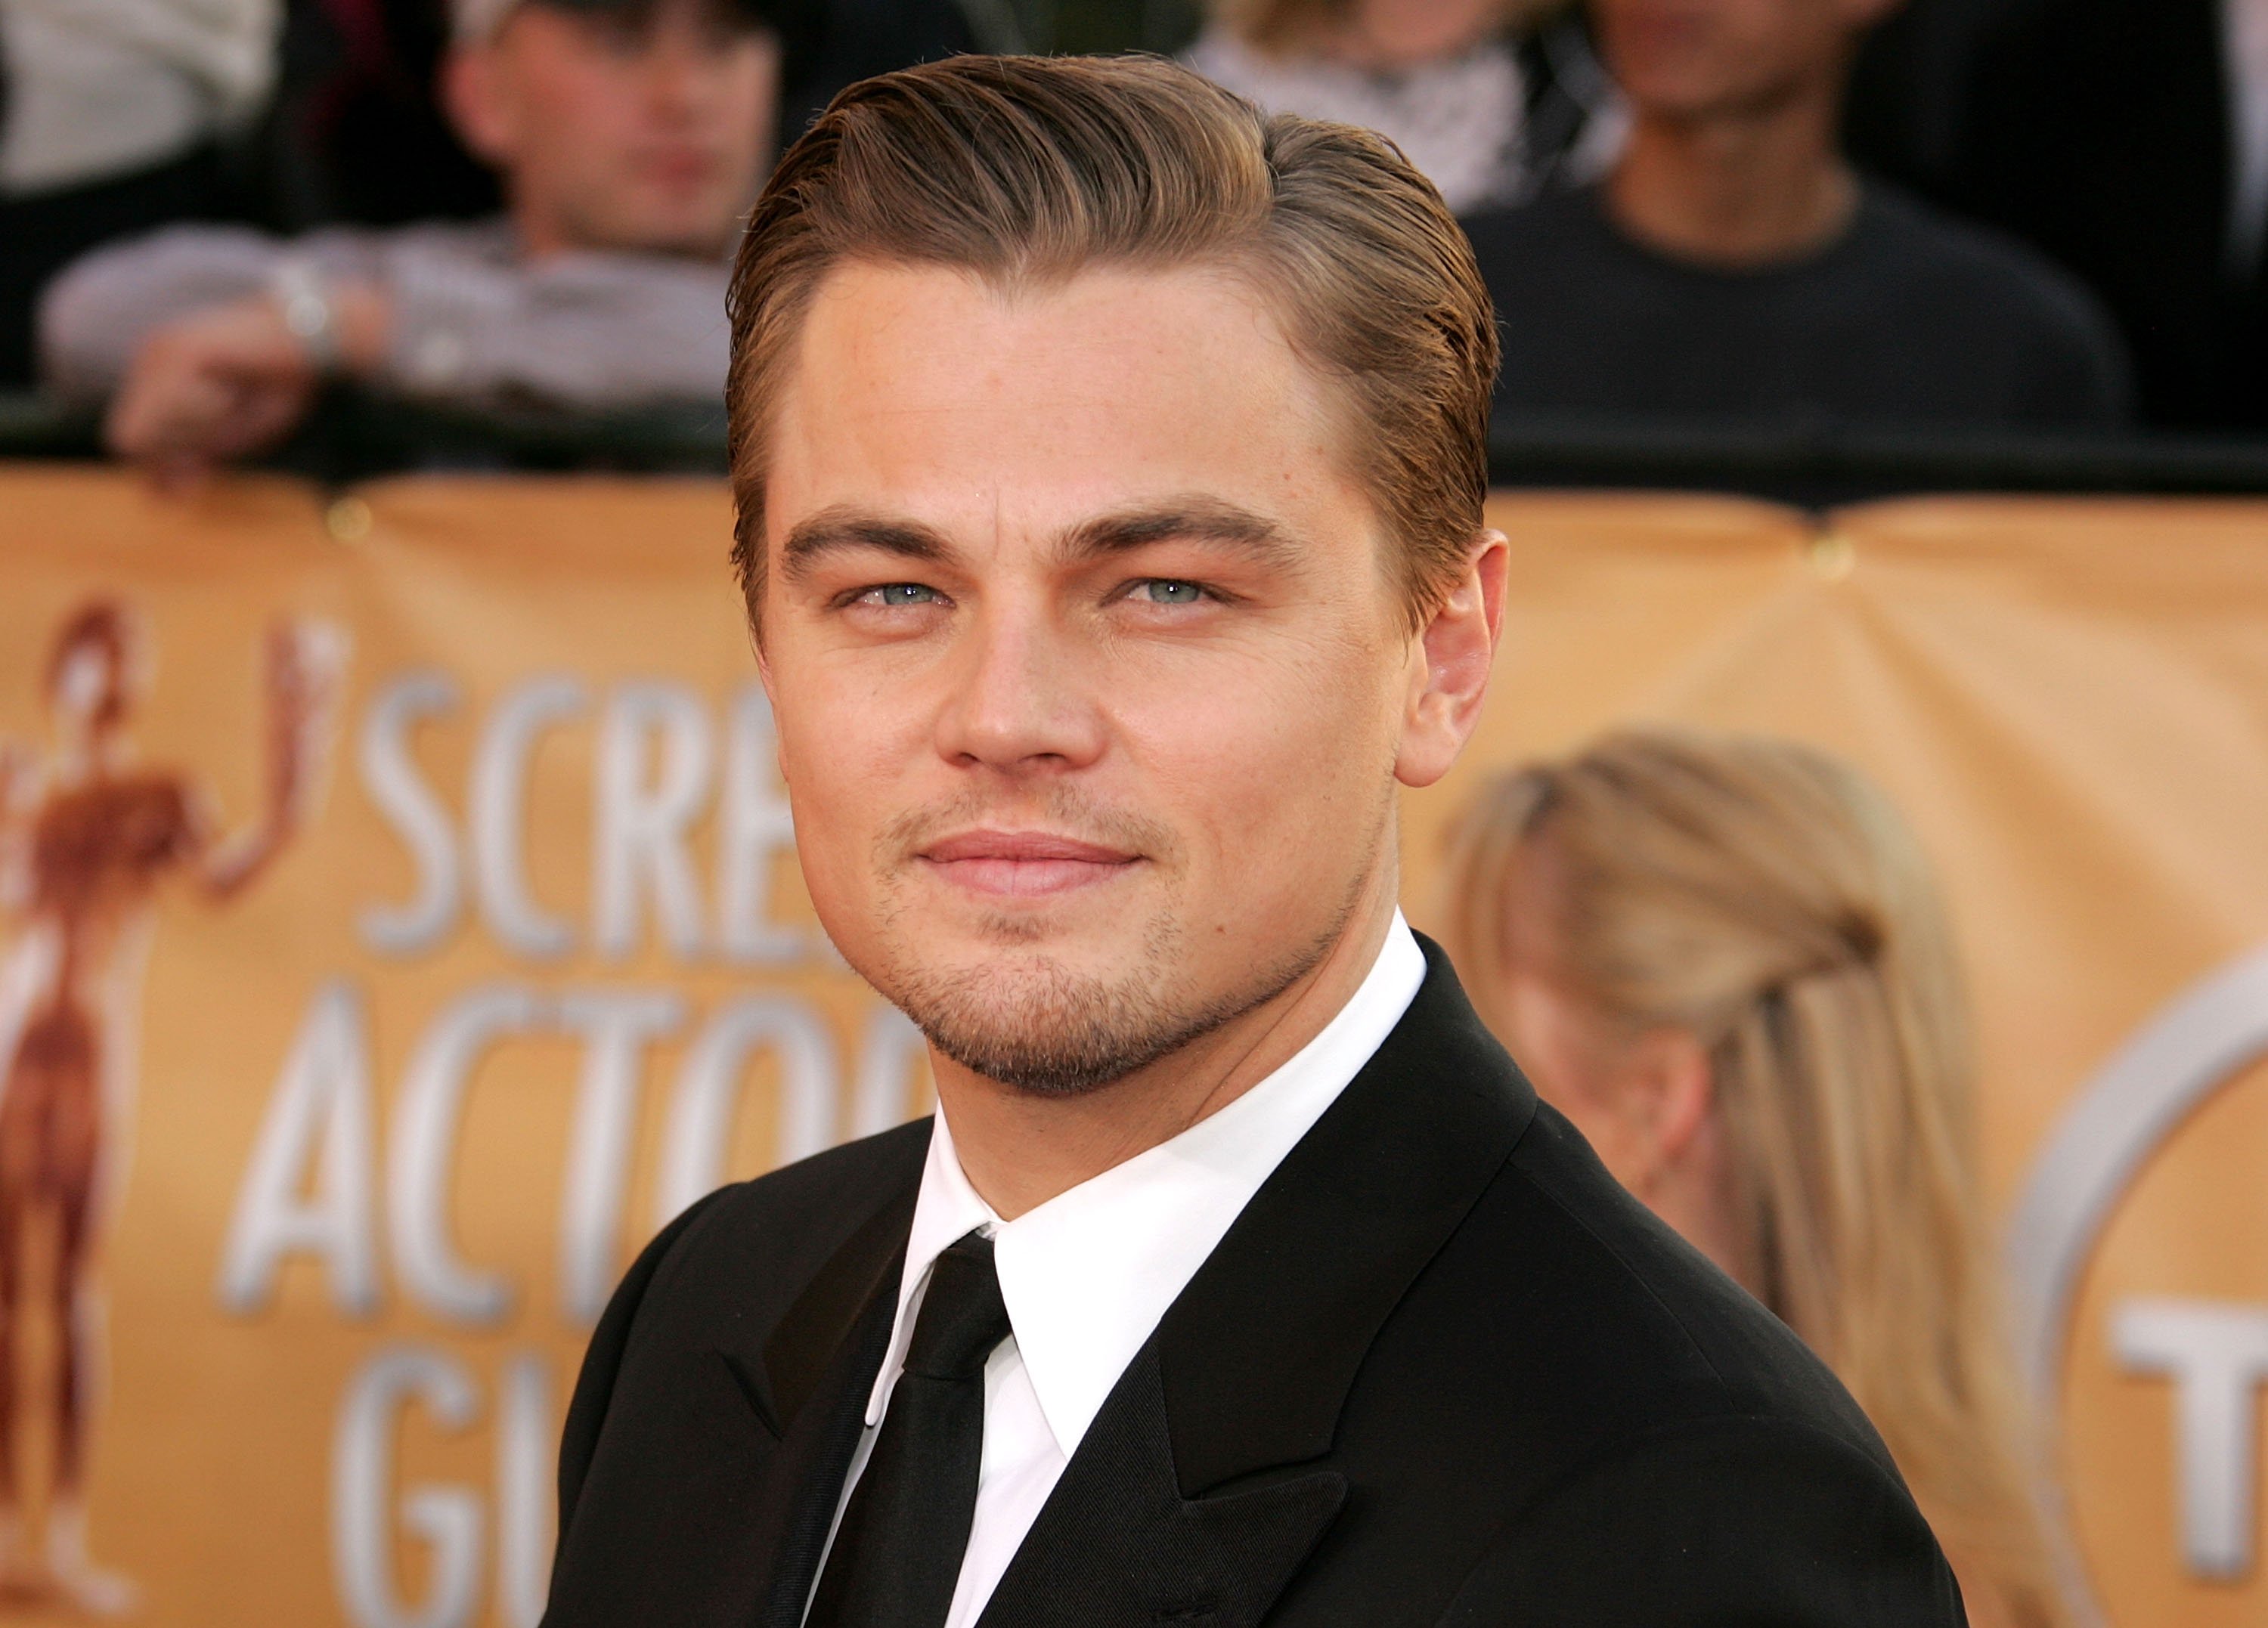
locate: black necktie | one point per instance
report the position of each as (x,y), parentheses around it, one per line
(898,1553)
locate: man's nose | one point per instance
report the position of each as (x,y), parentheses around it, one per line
(1021,699)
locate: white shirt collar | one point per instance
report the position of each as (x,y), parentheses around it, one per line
(1087,1275)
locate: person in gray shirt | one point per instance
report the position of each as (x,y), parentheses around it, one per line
(631,134)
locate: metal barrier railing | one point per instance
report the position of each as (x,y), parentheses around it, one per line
(32,427)
(355,435)
(1828,463)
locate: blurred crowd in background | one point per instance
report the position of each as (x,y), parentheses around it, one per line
(2031,216)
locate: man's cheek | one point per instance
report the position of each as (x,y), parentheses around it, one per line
(1292,744)
(1256,802)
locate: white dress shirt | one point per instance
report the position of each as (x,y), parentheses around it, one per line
(1087,1275)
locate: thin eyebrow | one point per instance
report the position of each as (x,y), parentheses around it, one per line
(1207,520)
(843,527)
(1204,520)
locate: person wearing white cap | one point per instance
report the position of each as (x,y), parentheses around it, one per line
(631,135)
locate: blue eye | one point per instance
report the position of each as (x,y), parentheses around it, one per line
(901,593)
(1164,590)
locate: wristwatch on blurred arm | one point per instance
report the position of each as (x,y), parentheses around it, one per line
(303,299)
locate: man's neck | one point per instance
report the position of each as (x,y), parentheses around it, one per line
(1740,189)
(540,233)
(1019,1150)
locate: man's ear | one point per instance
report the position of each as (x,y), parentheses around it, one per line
(477,94)
(1458,648)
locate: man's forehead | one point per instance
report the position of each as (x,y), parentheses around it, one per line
(1110,371)
(987,416)
(932,397)
(1173,318)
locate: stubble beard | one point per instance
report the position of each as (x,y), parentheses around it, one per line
(1033,1023)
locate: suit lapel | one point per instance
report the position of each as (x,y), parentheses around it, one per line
(1180,1505)
(1118,1545)
(809,1385)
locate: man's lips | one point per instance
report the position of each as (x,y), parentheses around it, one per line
(1024,864)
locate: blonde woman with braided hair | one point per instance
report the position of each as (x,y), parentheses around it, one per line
(1725,959)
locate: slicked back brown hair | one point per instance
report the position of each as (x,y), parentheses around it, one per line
(1025,170)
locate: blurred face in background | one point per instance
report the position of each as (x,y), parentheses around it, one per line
(626,127)
(1702,58)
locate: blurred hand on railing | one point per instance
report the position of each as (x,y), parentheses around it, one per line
(233,382)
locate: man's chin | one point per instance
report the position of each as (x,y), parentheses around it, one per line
(1035,960)
(1066,1041)
(1039,1021)
(1051,1026)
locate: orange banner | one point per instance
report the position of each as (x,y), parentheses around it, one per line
(399,921)
(381,1122)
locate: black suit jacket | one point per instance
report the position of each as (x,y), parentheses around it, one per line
(1442,1370)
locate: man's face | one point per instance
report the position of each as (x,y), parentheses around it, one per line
(1693,58)
(623,127)
(1089,660)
